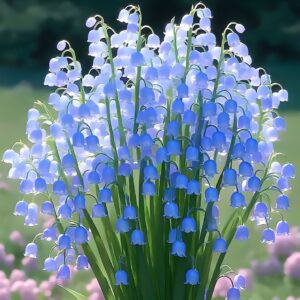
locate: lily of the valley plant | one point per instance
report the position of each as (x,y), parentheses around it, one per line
(133,158)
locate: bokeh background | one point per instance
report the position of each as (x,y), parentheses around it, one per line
(30,29)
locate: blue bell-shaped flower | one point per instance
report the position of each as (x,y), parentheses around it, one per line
(31,250)
(282,228)
(171,210)
(137,59)
(173,128)
(161,155)
(82,262)
(170,194)
(245,169)
(92,143)
(21,208)
(108,175)
(177,106)
(239,282)
(105,195)
(282,202)
(193,187)
(189,118)
(192,277)
(49,234)
(122,225)
(137,238)
(129,212)
(47,208)
(268,236)
(125,169)
(64,273)
(121,277)
(229,177)
(148,189)
(64,212)
(230,106)
(211,194)
(68,162)
(79,201)
(50,265)
(179,248)
(64,242)
(220,245)
(237,200)
(150,173)
(251,146)
(93,177)
(261,210)
(209,109)
(242,233)
(59,188)
(173,147)
(188,225)
(31,218)
(26,186)
(210,168)
(182,90)
(98,211)
(192,153)
(254,184)
(288,171)
(40,185)
(78,139)
(81,235)
(181,182)
(233,294)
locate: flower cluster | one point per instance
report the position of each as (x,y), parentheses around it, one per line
(138,152)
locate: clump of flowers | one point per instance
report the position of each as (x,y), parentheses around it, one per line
(133,157)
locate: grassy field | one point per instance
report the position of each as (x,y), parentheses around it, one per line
(14,104)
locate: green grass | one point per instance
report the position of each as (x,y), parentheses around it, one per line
(14,104)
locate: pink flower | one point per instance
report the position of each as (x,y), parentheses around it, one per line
(285,245)
(94,290)
(17,275)
(16,237)
(9,260)
(292,266)
(222,285)
(4,294)
(269,267)
(29,263)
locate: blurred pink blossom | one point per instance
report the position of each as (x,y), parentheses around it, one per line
(269,267)
(16,237)
(285,245)
(222,285)
(292,266)
(94,290)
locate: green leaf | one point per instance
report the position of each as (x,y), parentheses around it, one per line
(77,295)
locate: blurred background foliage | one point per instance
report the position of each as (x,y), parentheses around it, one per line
(30,29)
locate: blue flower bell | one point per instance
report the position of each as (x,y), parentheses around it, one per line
(233,294)
(210,168)
(229,177)
(282,228)
(193,187)
(50,265)
(82,262)
(31,250)
(171,210)
(98,211)
(188,224)
(192,277)
(105,195)
(237,200)
(79,201)
(211,194)
(181,181)
(122,225)
(268,236)
(64,242)
(129,212)
(137,238)
(121,277)
(282,202)
(64,273)
(220,245)
(179,248)
(81,235)
(242,233)
(148,189)
(21,208)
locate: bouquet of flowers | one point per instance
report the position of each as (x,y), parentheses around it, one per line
(133,158)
